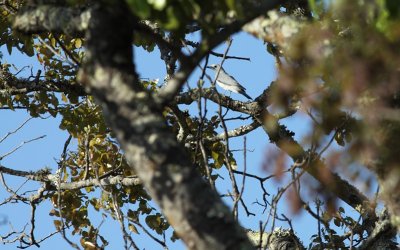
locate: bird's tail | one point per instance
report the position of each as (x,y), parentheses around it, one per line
(246,95)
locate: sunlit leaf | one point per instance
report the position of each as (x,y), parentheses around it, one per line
(133,229)
(78,43)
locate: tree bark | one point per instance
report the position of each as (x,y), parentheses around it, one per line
(191,207)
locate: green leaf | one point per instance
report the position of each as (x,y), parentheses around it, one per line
(78,43)
(152,221)
(140,8)
(53,42)
(337,222)
(348,137)
(74,99)
(133,229)
(10,103)
(57,224)
(231,4)
(9,47)
(54,212)
(53,112)
(64,98)
(339,139)
(174,237)
(28,47)
(158,4)
(215,155)
(317,7)
(173,16)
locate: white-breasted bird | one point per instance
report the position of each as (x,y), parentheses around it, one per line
(227,82)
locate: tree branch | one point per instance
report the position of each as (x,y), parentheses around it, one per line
(242,130)
(12,85)
(113,180)
(44,18)
(208,93)
(191,207)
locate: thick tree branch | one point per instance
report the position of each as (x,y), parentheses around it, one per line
(382,235)
(11,85)
(45,176)
(191,207)
(225,101)
(152,31)
(44,18)
(113,180)
(275,28)
(242,130)
(30,175)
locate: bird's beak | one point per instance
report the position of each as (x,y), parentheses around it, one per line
(209,67)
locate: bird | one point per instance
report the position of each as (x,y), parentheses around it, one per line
(227,82)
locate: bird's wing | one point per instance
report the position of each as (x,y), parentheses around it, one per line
(228,80)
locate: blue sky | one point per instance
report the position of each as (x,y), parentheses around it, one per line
(255,75)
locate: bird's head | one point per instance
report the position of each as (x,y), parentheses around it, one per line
(214,66)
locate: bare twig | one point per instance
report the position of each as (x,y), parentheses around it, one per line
(33,241)
(196,45)
(66,51)
(87,153)
(61,166)
(202,115)
(162,243)
(21,145)
(120,218)
(236,193)
(16,130)
(55,52)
